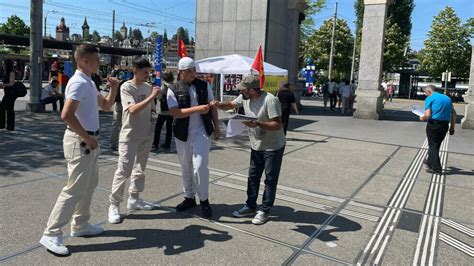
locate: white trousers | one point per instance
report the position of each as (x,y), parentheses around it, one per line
(194,159)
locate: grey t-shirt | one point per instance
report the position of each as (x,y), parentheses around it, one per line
(265,108)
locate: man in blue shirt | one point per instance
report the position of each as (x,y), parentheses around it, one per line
(439,112)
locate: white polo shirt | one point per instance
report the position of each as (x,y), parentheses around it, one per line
(81,88)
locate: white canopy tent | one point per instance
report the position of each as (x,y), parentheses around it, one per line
(234,64)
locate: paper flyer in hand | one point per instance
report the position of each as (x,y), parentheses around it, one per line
(243,117)
(416,111)
(236,126)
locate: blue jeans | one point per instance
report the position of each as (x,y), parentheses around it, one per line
(270,161)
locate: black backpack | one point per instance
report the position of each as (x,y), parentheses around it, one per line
(19,89)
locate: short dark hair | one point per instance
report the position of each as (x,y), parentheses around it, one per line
(140,63)
(431,87)
(84,50)
(168,76)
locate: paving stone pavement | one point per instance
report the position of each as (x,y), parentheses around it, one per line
(350,191)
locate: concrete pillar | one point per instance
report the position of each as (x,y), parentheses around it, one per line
(36,56)
(468,121)
(369,91)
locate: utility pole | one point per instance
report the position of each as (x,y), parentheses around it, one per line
(353,53)
(36,56)
(332,43)
(113,28)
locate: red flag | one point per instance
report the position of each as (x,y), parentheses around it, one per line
(258,66)
(181,49)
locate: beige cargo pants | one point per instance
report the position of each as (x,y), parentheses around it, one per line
(75,198)
(133,157)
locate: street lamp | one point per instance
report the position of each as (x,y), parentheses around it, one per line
(354,51)
(147,45)
(46,17)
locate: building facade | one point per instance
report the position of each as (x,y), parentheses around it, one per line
(240,26)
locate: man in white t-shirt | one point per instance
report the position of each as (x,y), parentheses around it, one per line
(346,94)
(190,103)
(268,145)
(81,151)
(135,139)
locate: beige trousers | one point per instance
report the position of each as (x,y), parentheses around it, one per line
(116,125)
(75,198)
(133,157)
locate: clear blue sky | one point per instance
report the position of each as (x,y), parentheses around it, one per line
(166,14)
(171,14)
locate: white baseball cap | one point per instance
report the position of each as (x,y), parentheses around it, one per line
(185,63)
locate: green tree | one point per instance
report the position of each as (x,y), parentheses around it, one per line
(307,27)
(183,34)
(394,48)
(165,37)
(469,25)
(15,26)
(95,37)
(118,36)
(447,46)
(153,36)
(137,35)
(397,34)
(319,47)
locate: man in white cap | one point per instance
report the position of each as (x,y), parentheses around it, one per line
(190,103)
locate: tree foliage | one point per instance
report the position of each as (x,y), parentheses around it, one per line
(153,36)
(95,37)
(319,47)
(15,26)
(118,36)
(165,37)
(183,34)
(447,46)
(307,27)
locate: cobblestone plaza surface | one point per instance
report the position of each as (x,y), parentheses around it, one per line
(350,191)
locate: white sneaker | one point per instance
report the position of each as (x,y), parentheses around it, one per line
(88,230)
(260,218)
(138,204)
(54,244)
(114,214)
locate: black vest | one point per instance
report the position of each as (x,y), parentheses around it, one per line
(181,125)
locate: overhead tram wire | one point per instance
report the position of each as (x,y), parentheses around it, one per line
(88,12)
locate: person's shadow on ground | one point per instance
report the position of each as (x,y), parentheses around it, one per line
(306,222)
(173,241)
(458,171)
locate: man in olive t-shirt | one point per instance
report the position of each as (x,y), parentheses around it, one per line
(267,141)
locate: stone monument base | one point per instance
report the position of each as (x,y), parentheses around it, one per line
(468,121)
(35,108)
(369,104)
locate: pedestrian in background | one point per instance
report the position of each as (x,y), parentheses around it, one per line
(333,91)
(287,101)
(164,113)
(441,117)
(346,94)
(326,95)
(7,106)
(49,95)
